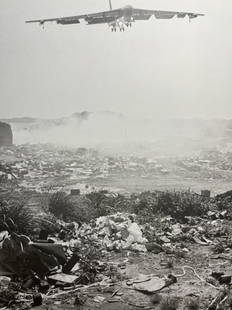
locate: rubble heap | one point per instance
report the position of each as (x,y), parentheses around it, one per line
(115,232)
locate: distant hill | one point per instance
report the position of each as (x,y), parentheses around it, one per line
(19,120)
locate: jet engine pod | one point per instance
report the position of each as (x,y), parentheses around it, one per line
(68,21)
(99,20)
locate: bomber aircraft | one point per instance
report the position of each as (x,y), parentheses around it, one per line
(117,18)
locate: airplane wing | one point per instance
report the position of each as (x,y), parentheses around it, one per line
(95,18)
(140,14)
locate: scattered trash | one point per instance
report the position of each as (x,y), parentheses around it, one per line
(62,277)
(151,286)
(115,232)
(99,299)
(98,258)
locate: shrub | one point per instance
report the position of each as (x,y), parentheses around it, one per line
(178,204)
(105,203)
(70,208)
(60,205)
(18,212)
(181,204)
(81,209)
(100,203)
(224,201)
(145,203)
(46,221)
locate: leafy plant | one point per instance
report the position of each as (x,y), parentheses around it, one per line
(181,204)
(60,205)
(15,216)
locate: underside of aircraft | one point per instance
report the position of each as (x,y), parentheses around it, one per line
(117,18)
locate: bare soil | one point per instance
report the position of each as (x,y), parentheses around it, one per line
(190,281)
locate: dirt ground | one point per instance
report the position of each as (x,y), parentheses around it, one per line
(165,182)
(190,281)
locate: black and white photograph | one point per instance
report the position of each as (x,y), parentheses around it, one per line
(115,155)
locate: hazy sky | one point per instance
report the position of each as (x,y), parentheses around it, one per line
(159,68)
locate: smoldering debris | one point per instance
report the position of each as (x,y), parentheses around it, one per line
(121,134)
(48,167)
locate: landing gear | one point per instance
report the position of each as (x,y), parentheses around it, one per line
(129,24)
(42,24)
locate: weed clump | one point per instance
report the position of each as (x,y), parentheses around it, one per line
(177,204)
(15,216)
(181,204)
(60,205)
(147,205)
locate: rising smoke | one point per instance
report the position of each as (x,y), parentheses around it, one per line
(116,133)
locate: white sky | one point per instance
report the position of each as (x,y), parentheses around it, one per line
(159,68)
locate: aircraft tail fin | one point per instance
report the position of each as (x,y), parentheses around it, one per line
(110,3)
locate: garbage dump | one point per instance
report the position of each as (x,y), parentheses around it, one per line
(145,250)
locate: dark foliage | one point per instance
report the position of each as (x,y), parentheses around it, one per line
(175,204)
(15,216)
(147,205)
(60,205)
(181,204)
(105,203)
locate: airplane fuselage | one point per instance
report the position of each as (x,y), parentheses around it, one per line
(125,19)
(127,11)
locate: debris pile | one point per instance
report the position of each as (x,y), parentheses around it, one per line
(33,271)
(42,267)
(115,232)
(21,257)
(168,235)
(42,262)
(77,256)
